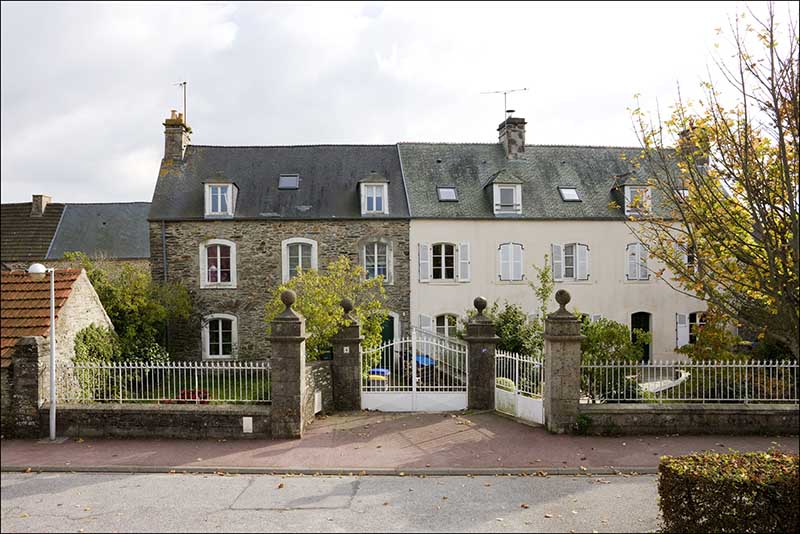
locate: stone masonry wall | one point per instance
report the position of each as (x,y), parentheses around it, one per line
(259,270)
(318,378)
(6,406)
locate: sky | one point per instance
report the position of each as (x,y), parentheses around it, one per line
(86,86)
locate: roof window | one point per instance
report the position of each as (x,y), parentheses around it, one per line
(447,194)
(289,181)
(569,194)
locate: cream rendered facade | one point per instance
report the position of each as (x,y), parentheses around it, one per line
(606,292)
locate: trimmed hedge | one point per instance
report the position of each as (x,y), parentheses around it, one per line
(749,492)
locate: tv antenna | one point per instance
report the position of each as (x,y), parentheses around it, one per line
(507,112)
(183,84)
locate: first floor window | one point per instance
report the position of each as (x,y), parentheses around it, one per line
(376,259)
(636,262)
(511,261)
(570,261)
(220,336)
(218,262)
(444,261)
(299,258)
(446,325)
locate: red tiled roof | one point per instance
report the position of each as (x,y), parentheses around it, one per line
(25,306)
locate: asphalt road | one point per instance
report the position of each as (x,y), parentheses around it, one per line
(90,502)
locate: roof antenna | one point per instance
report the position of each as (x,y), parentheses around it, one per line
(183,84)
(507,112)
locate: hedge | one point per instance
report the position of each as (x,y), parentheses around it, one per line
(739,492)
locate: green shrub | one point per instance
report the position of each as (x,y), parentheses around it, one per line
(710,492)
(96,344)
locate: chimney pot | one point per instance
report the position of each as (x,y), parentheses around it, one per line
(39,204)
(176,136)
(512,137)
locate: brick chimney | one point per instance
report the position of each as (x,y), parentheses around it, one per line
(39,204)
(512,137)
(176,136)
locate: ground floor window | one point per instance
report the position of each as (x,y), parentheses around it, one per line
(696,322)
(220,336)
(446,325)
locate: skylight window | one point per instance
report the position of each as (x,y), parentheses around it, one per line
(289,181)
(447,194)
(569,194)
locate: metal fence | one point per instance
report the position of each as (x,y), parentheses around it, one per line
(704,382)
(166,383)
(521,373)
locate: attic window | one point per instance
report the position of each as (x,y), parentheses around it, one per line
(289,181)
(447,194)
(569,194)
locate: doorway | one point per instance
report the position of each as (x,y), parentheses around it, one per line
(641,321)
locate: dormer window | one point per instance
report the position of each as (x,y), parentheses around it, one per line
(507,199)
(220,200)
(569,194)
(289,181)
(374,198)
(637,200)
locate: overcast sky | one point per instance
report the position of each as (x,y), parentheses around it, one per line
(85,87)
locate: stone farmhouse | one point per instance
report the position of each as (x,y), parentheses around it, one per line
(442,222)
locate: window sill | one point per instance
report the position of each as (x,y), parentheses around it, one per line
(510,282)
(636,281)
(218,358)
(218,286)
(219,215)
(444,283)
(574,282)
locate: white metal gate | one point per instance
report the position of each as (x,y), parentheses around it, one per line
(422,372)
(519,386)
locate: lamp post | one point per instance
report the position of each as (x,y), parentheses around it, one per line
(37,271)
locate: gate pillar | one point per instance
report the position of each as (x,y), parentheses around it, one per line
(347,363)
(481,344)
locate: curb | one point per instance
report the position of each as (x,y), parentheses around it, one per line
(374,471)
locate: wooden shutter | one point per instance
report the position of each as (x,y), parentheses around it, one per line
(631,261)
(644,274)
(582,261)
(505,261)
(557,261)
(681,329)
(463,262)
(516,261)
(424,262)
(425,322)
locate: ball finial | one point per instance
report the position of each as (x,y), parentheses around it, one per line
(480,304)
(288,298)
(562,297)
(347,305)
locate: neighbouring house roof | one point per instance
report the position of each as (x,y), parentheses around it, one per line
(116,230)
(328,187)
(470,167)
(27,238)
(25,306)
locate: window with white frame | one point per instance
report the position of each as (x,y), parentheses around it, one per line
(374,198)
(507,199)
(697,321)
(637,200)
(219,200)
(636,262)
(220,336)
(446,325)
(299,254)
(447,194)
(218,264)
(510,262)
(570,261)
(569,194)
(444,262)
(377,257)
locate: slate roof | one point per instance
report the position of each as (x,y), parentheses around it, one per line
(115,230)
(329,176)
(26,238)
(25,306)
(593,171)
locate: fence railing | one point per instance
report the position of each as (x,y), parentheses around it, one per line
(167,383)
(522,373)
(707,381)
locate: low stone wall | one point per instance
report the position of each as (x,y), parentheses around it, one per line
(187,421)
(627,419)
(318,378)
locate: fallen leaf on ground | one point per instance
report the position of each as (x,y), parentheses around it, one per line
(548,516)
(23,515)
(280,486)
(523,505)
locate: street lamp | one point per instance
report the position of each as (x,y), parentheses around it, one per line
(37,272)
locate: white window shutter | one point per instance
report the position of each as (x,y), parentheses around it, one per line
(643,273)
(582,251)
(681,329)
(516,262)
(628,199)
(595,317)
(505,261)
(557,261)
(426,322)
(424,262)
(463,262)
(631,262)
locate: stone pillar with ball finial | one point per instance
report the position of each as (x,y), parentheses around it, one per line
(288,370)
(562,367)
(481,345)
(346,365)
